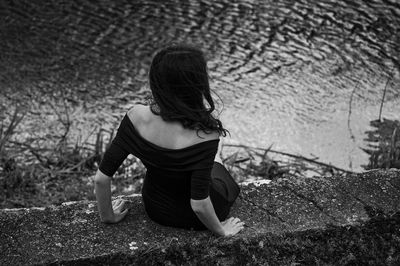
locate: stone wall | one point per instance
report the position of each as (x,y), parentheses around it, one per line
(337,220)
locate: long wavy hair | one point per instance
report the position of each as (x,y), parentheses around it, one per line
(180,89)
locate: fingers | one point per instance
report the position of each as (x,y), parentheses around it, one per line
(227,220)
(120,216)
(117,202)
(118,205)
(238,227)
(241,224)
(235,225)
(233,220)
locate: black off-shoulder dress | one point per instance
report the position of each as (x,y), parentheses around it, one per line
(173,177)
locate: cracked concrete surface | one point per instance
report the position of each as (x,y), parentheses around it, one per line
(72,233)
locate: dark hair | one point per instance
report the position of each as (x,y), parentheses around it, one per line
(179,84)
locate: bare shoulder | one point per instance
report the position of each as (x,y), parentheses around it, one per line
(210,136)
(166,134)
(137,114)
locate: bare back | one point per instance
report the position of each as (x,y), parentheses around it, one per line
(170,135)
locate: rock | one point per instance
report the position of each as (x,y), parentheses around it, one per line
(338,220)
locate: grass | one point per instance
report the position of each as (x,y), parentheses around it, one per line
(66,176)
(384,144)
(246,162)
(32,174)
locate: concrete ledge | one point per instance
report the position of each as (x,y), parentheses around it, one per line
(340,220)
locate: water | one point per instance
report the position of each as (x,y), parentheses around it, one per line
(285,70)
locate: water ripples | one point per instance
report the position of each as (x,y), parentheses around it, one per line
(282,66)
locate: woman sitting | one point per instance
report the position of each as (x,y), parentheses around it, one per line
(176,137)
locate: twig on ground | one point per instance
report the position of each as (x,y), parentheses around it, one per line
(291,155)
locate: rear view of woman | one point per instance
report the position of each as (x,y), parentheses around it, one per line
(177,139)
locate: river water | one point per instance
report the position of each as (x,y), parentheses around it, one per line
(305,76)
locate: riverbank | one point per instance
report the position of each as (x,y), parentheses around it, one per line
(69,175)
(33,176)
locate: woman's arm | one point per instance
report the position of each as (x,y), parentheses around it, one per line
(110,212)
(206,214)
(116,153)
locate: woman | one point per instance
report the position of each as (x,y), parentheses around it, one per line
(176,138)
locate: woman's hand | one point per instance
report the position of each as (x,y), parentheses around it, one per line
(110,211)
(232,226)
(119,211)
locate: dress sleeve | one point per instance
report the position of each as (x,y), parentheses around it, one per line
(113,158)
(200,184)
